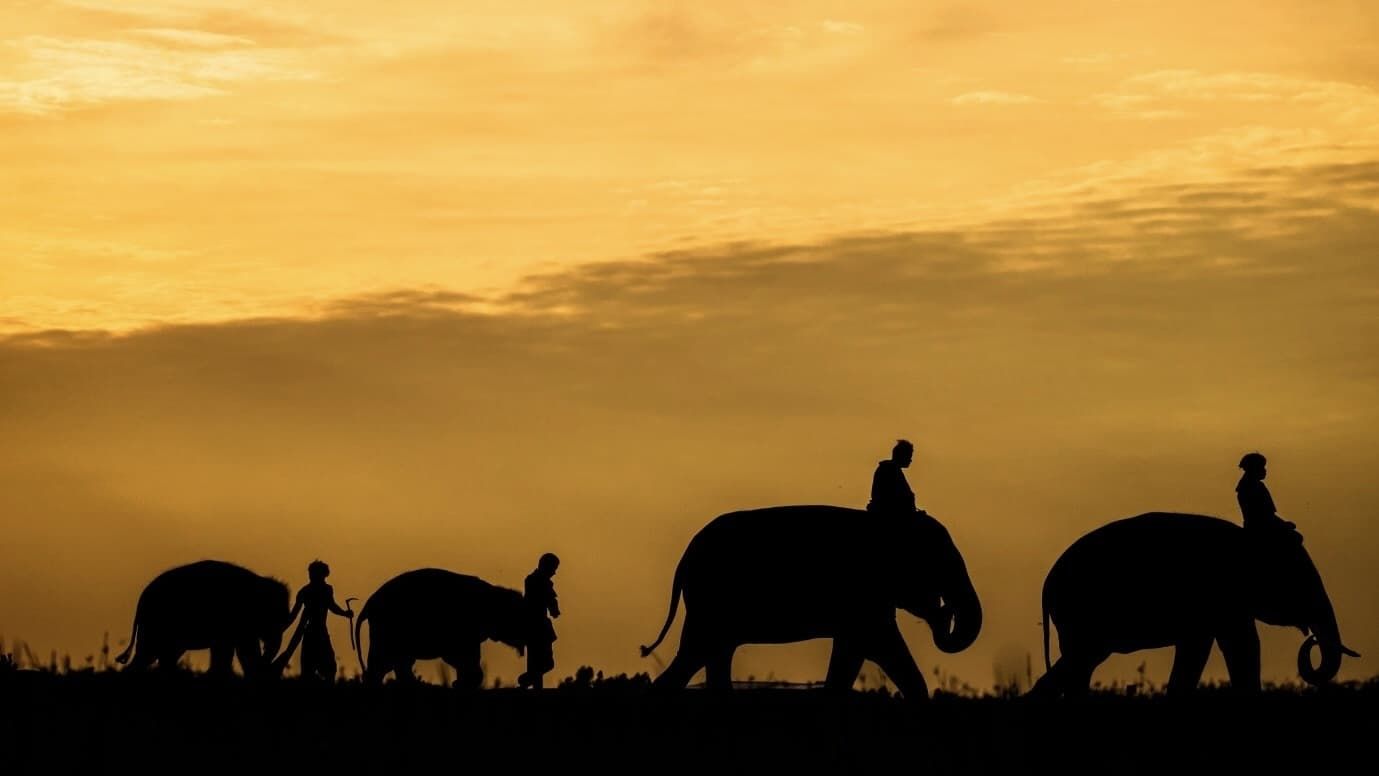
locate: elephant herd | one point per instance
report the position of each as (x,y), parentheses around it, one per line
(787,574)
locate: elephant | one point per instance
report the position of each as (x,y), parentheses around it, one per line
(433,613)
(213,605)
(1164,579)
(790,573)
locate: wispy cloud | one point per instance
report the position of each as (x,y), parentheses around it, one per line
(993,98)
(192,38)
(1170,93)
(65,73)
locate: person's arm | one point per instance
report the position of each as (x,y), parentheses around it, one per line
(296,610)
(555,608)
(334,607)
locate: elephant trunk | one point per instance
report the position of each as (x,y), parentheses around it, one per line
(1327,636)
(958,632)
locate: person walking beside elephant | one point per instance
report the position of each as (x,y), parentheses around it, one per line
(314,601)
(540,599)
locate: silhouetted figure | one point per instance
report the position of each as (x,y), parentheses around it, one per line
(212,605)
(1256,505)
(540,600)
(792,573)
(890,491)
(433,613)
(315,602)
(1185,581)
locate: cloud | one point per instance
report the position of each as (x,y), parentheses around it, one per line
(843,28)
(1166,93)
(992,98)
(193,38)
(67,73)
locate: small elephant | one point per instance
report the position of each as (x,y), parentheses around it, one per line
(212,605)
(430,613)
(1184,581)
(791,573)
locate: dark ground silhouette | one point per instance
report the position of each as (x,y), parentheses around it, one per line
(110,722)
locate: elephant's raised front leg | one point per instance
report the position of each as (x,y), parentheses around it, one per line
(887,648)
(1240,646)
(1189,660)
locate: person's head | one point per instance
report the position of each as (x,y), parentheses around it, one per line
(1254,465)
(317,571)
(548,564)
(903,452)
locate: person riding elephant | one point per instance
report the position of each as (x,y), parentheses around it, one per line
(1257,510)
(213,605)
(890,491)
(432,613)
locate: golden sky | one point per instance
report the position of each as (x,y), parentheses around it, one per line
(438,283)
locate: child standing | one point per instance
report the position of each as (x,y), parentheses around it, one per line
(539,595)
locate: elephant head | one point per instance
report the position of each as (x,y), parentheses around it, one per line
(1289,592)
(508,620)
(931,582)
(273,613)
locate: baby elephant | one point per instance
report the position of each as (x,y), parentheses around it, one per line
(209,605)
(432,613)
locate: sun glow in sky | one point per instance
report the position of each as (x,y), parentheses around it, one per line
(413,283)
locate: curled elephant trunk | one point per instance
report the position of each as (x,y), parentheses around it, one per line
(1328,638)
(960,630)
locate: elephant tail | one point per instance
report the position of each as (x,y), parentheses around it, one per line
(1048,664)
(676,587)
(355,634)
(123,657)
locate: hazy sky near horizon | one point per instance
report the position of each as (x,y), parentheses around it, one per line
(436,283)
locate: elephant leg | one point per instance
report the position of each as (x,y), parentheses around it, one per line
(1070,675)
(844,665)
(1050,685)
(1240,646)
(468,673)
(251,660)
(718,671)
(403,670)
(1076,676)
(888,650)
(380,662)
(142,660)
(169,658)
(680,671)
(222,659)
(1189,660)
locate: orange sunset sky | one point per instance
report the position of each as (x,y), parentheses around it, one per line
(448,283)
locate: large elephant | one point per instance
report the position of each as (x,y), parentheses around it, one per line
(1183,581)
(433,613)
(791,573)
(213,605)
